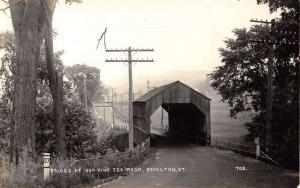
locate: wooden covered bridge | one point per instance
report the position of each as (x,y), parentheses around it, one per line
(188,112)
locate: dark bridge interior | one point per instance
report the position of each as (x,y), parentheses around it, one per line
(186,125)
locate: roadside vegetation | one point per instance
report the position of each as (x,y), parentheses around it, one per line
(242,80)
(80,125)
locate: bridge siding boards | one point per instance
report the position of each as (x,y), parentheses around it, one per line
(175,92)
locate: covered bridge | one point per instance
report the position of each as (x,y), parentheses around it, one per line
(188,112)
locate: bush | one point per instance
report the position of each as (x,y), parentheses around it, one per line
(81,138)
(120,141)
(4,128)
(285,134)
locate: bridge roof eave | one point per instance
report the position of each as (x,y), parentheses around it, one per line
(148,96)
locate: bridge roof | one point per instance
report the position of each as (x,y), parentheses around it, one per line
(161,89)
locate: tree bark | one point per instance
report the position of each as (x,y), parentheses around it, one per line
(56,82)
(27,26)
(32,22)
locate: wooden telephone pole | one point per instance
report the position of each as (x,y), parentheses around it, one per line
(121,107)
(85,94)
(112,107)
(272,45)
(129,60)
(148,85)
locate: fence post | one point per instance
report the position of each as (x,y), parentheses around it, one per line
(46,157)
(257,147)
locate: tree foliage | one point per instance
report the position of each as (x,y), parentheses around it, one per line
(4,128)
(94,89)
(81,138)
(242,79)
(284,5)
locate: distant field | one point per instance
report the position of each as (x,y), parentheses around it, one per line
(228,131)
(222,126)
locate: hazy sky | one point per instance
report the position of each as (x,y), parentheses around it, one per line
(185,35)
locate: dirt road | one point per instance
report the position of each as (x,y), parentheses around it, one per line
(204,167)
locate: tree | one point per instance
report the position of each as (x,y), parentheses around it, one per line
(32,23)
(284,5)
(55,81)
(94,89)
(81,138)
(242,79)
(28,39)
(290,21)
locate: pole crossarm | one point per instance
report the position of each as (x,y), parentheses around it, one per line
(126,60)
(277,31)
(133,50)
(269,22)
(260,21)
(104,104)
(286,32)
(273,42)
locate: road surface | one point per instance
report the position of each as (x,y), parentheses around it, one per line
(204,167)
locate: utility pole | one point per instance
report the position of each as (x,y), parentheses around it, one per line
(148,86)
(104,114)
(271,45)
(162,117)
(84,87)
(112,106)
(130,99)
(85,95)
(129,60)
(121,105)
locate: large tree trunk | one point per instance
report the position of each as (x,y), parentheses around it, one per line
(27,27)
(32,22)
(56,82)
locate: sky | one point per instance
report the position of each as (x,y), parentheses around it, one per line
(185,35)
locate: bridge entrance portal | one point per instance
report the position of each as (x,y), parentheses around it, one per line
(188,114)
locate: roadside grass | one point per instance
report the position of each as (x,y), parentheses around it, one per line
(30,174)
